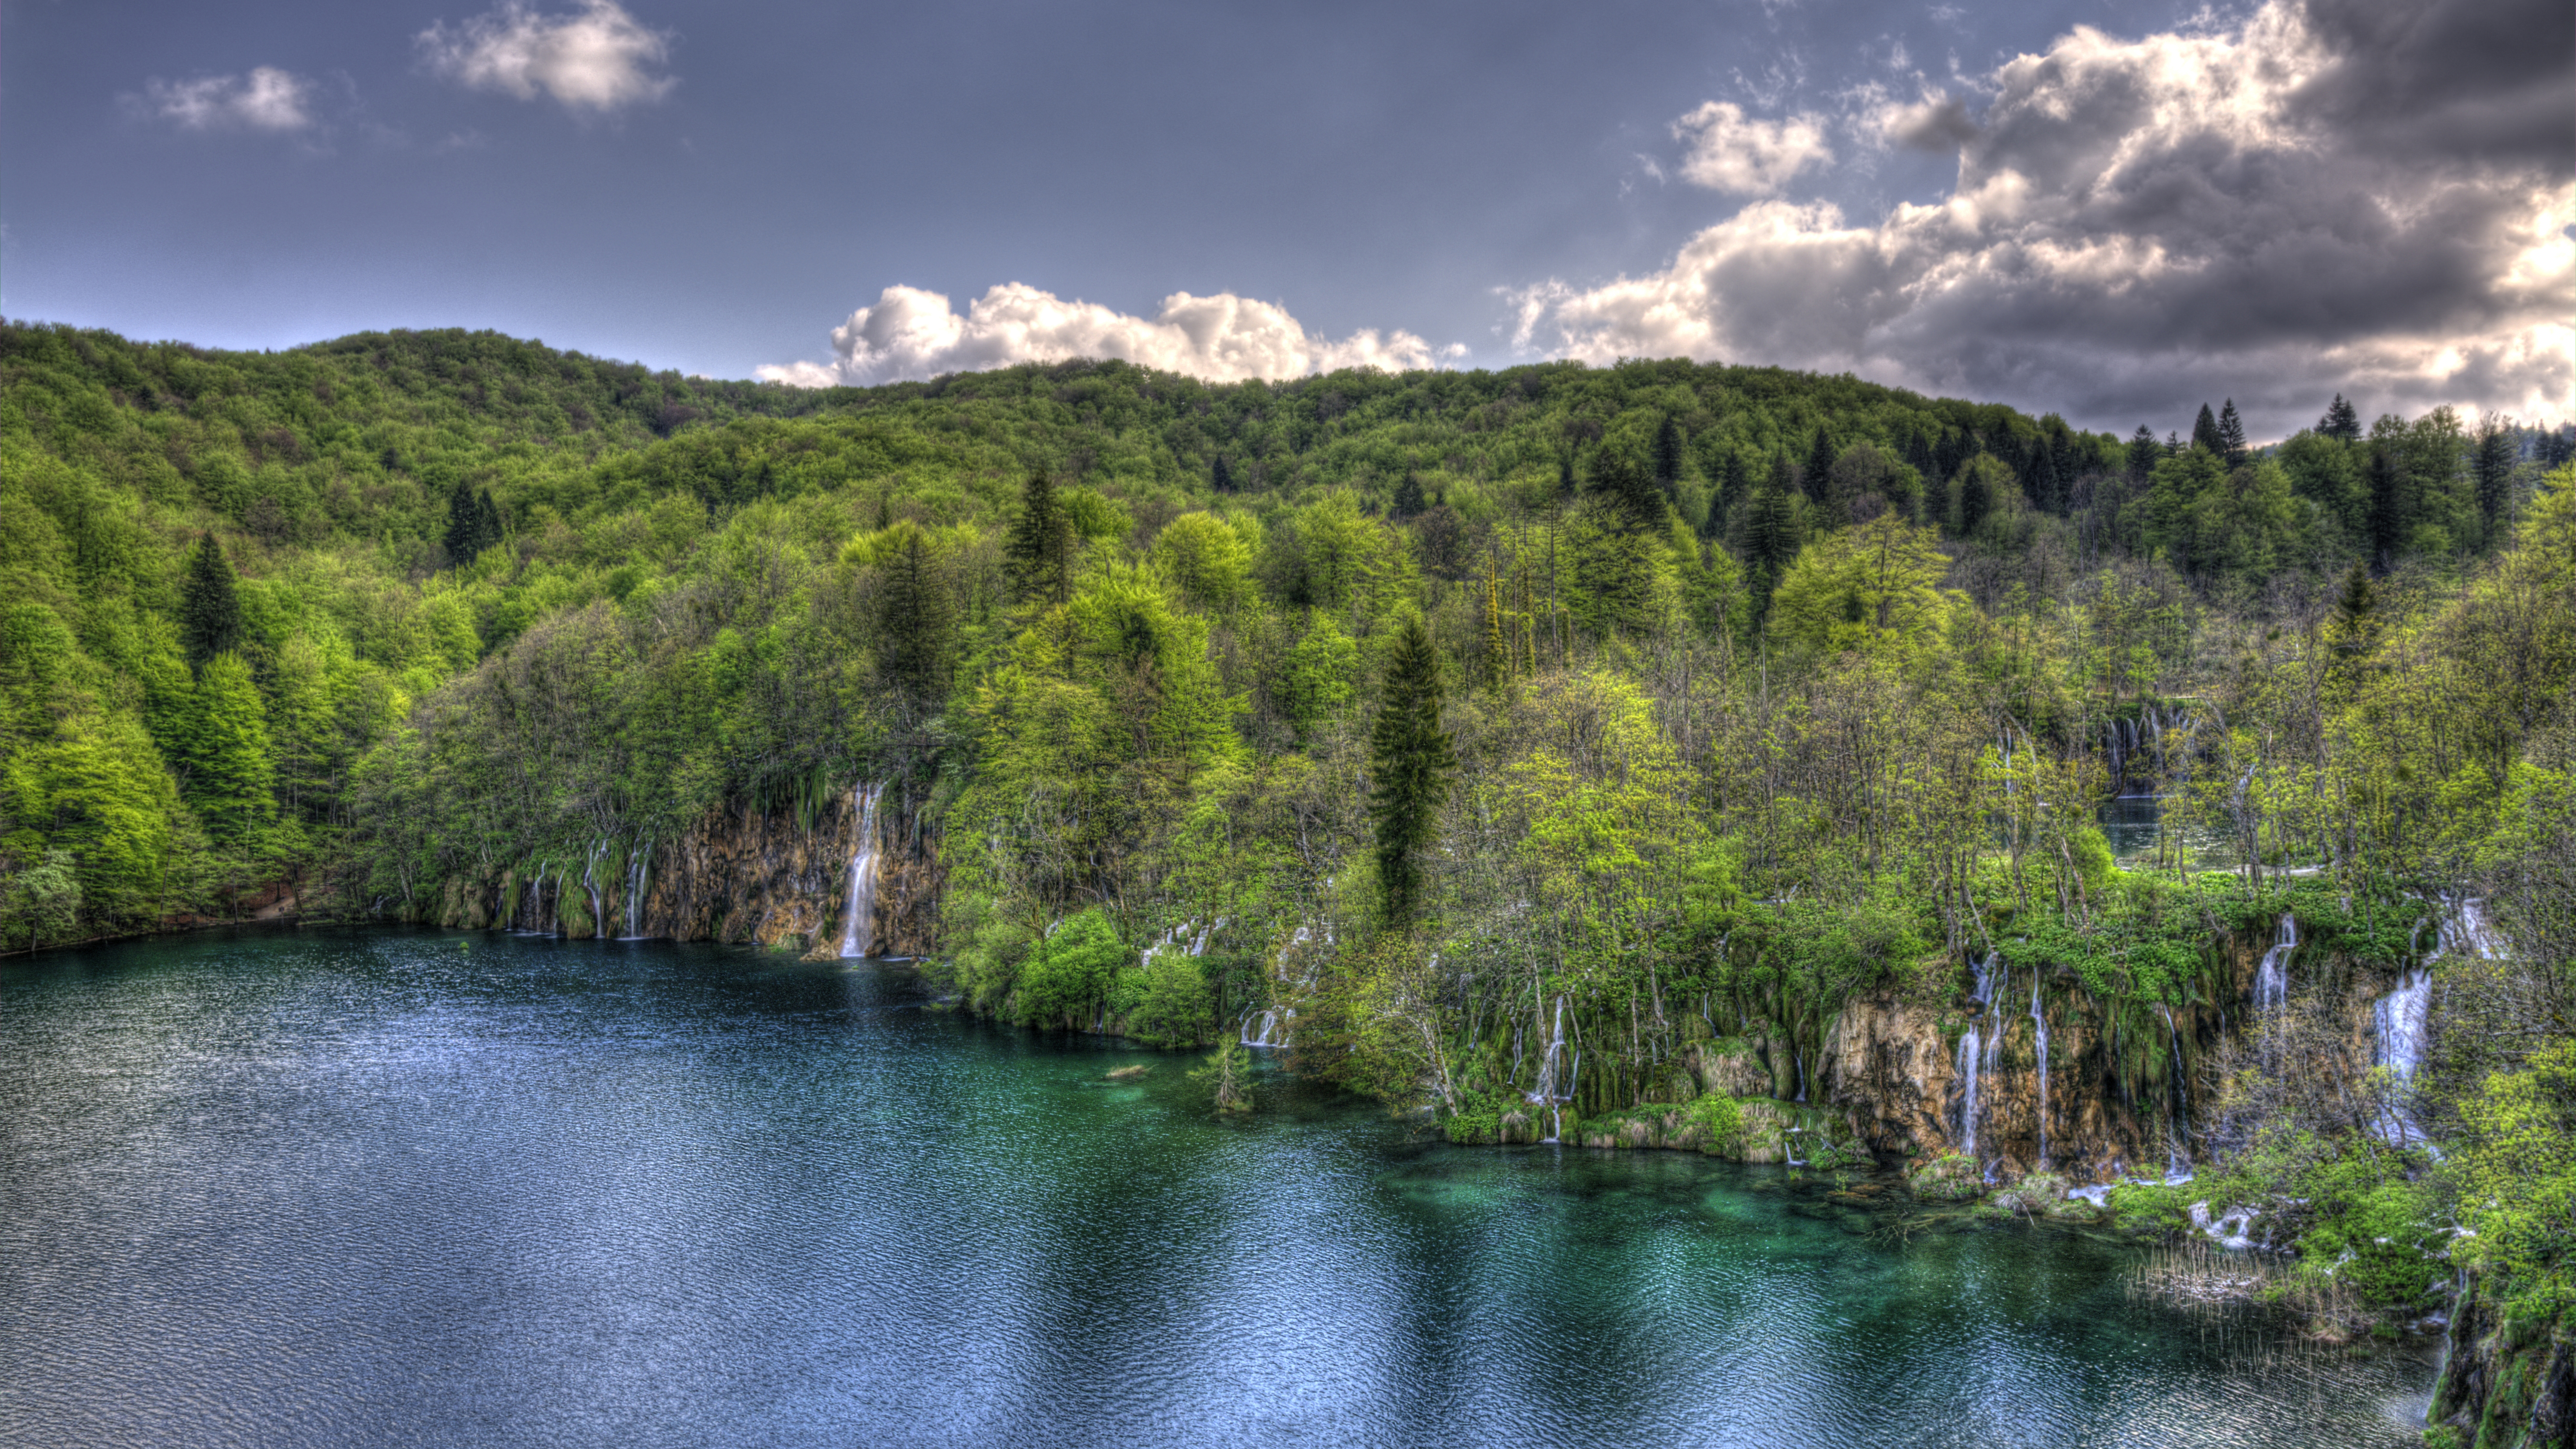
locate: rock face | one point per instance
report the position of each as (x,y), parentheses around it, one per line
(2506,1382)
(737,875)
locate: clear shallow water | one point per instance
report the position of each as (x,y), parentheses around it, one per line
(444,1189)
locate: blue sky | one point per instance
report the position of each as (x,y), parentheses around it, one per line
(2112,222)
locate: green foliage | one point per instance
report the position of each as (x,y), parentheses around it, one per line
(1168,1000)
(1067,975)
(1410,757)
(210,616)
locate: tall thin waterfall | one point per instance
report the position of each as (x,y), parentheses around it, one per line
(2272,976)
(1552,1087)
(639,871)
(1976,1055)
(536,900)
(590,888)
(2177,1159)
(2040,1021)
(859,936)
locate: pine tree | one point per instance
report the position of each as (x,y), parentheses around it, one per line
(1734,485)
(1820,466)
(1410,758)
(2493,465)
(1620,475)
(913,617)
(210,621)
(2204,432)
(1668,456)
(487,519)
(1220,476)
(1040,548)
(1565,475)
(2388,511)
(2144,452)
(2231,435)
(1408,496)
(1976,497)
(2341,421)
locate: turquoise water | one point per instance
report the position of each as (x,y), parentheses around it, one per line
(435,1188)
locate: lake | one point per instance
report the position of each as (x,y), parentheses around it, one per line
(388,1188)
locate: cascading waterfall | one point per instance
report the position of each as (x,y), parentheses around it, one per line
(1976,1054)
(2039,1020)
(536,900)
(590,888)
(2272,975)
(1551,1088)
(859,934)
(2177,1161)
(638,871)
(2398,1018)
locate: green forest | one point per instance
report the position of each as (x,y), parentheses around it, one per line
(1705,699)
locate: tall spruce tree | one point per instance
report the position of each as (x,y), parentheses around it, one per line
(1408,496)
(1668,456)
(210,620)
(1565,474)
(2492,464)
(1221,477)
(2231,435)
(2342,420)
(1410,758)
(2389,511)
(1820,466)
(1627,479)
(2144,452)
(1040,548)
(914,631)
(2204,432)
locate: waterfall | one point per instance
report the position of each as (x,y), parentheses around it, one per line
(2040,1022)
(2177,1163)
(1270,1035)
(2398,1017)
(536,900)
(2272,977)
(859,935)
(1977,1054)
(639,868)
(1550,1087)
(598,926)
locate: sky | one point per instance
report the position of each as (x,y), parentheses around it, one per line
(2112,212)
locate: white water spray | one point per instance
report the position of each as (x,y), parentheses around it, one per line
(2040,1021)
(2272,974)
(1551,1087)
(859,933)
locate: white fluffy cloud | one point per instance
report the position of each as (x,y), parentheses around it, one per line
(2313,201)
(1727,150)
(598,60)
(266,99)
(910,333)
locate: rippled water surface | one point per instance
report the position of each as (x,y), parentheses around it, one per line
(442,1189)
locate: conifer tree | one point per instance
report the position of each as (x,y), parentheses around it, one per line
(2341,421)
(2204,432)
(1565,474)
(1668,456)
(1410,758)
(1408,496)
(2493,465)
(1976,497)
(2388,510)
(210,620)
(1734,485)
(913,617)
(2352,627)
(2144,452)
(1620,475)
(1820,466)
(2231,435)
(1220,476)
(1040,548)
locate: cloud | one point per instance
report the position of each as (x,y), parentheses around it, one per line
(2324,198)
(1938,124)
(598,60)
(1730,151)
(913,333)
(266,99)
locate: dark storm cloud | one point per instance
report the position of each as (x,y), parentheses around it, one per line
(2138,222)
(2493,83)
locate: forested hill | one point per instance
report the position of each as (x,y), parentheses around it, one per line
(392,511)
